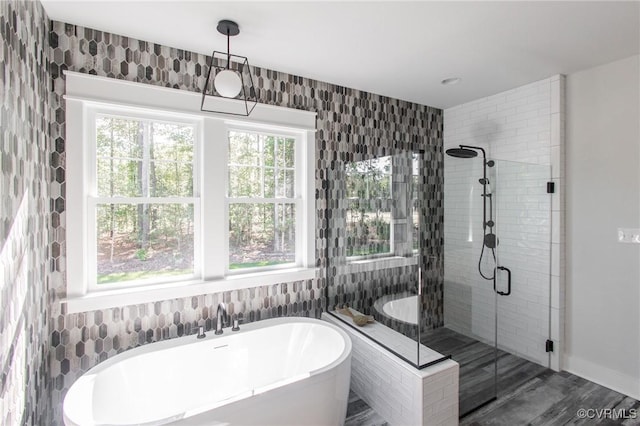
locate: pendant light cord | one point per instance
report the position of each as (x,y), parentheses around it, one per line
(228,49)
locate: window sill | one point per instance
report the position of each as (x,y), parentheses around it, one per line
(376,264)
(133,296)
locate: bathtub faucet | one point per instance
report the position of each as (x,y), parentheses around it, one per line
(222,317)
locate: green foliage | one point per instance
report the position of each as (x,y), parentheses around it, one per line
(120,149)
(368,250)
(261,165)
(261,233)
(142,254)
(143,158)
(140,158)
(116,277)
(260,264)
(368,185)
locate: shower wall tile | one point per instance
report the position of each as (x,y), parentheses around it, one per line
(526,127)
(351,124)
(24,213)
(512,125)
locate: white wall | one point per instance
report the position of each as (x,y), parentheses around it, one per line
(521,125)
(603,193)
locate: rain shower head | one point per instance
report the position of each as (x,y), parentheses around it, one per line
(462,152)
(466,151)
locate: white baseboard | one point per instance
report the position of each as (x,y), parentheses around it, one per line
(604,376)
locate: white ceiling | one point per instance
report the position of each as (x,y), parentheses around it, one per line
(394,48)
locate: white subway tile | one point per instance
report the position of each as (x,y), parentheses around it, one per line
(524,132)
(555,97)
(556,133)
(555,324)
(555,292)
(555,259)
(522,93)
(556,162)
(555,227)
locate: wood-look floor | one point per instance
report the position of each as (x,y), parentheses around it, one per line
(528,394)
(477,367)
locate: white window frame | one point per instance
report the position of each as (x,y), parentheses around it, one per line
(297,199)
(86,96)
(93,199)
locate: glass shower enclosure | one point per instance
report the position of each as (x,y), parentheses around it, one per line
(497,277)
(434,263)
(384,253)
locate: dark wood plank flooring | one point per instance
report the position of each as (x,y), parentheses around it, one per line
(476,359)
(360,414)
(552,399)
(528,394)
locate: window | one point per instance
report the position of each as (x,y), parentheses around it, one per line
(144,204)
(262,202)
(164,201)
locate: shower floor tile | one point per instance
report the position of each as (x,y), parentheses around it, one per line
(476,361)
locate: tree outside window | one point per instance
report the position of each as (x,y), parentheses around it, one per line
(144,169)
(262,200)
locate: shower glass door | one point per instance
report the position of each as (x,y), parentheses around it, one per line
(523,226)
(497,277)
(470,303)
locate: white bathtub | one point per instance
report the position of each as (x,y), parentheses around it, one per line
(281,371)
(405,309)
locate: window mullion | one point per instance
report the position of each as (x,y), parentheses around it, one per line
(146,158)
(214,173)
(276,171)
(261,200)
(144,200)
(262,163)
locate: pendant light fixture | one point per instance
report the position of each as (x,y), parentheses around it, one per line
(228,78)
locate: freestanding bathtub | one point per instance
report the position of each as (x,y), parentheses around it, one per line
(281,371)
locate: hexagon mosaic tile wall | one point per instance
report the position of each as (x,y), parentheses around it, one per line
(24,213)
(352,125)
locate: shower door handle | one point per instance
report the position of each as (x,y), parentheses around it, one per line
(503,293)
